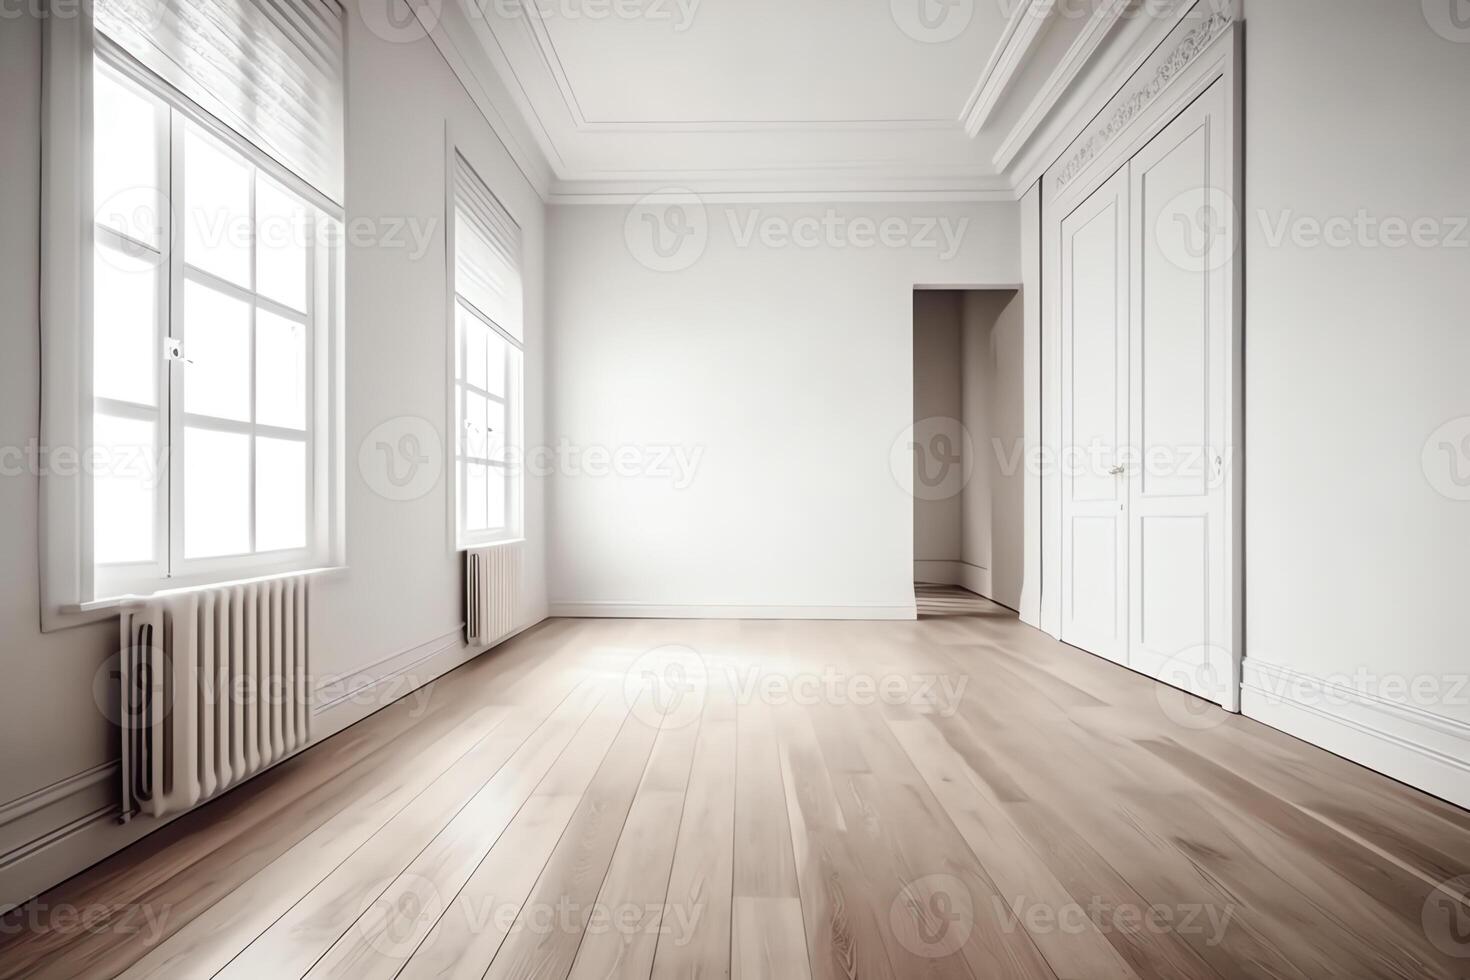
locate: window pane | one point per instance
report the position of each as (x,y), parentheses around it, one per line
(476,336)
(496,349)
(495,503)
(495,430)
(280,494)
(280,251)
(125,167)
(216,493)
(216,209)
(280,371)
(124,485)
(474,427)
(217,342)
(474,496)
(126,347)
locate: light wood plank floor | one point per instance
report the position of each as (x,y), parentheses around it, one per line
(956,797)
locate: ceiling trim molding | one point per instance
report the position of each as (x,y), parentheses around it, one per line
(1130,52)
(1099,26)
(1190,47)
(534,158)
(1021,33)
(745,188)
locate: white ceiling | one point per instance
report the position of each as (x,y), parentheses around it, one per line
(927,97)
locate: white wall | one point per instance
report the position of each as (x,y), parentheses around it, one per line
(395,614)
(1355,357)
(938,369)
(991,348)
(788,366)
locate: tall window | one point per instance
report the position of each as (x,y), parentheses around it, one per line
(209,286)
(487,364)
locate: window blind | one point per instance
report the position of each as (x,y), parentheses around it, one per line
(487,252)
(269,69)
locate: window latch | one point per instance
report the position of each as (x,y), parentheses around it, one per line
(173,350)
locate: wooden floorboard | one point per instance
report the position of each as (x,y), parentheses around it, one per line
(958,796)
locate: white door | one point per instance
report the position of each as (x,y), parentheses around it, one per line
(1094,355)
(1182,245)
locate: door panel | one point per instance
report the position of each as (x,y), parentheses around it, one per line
(1180,342)
(1095,369)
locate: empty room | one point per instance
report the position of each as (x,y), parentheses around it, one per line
(735,488)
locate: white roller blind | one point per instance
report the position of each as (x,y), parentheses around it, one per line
(487,252)
(269,69)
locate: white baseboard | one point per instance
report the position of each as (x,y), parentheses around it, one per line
(961,573)
(642,610)
(1422,748)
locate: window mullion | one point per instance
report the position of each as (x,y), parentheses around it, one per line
(252,383)
(173,373)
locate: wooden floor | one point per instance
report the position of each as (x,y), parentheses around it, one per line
(955,797)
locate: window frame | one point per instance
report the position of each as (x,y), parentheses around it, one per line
(75,588)
(460,538)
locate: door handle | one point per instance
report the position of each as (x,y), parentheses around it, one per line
(1116,471)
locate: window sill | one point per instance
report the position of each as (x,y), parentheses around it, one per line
(83,612)
(501,543)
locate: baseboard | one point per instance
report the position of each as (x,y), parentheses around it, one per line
(1415,746)
(964,574)
(642,610)
(62,829)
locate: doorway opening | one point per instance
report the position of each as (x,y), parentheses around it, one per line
(968,446)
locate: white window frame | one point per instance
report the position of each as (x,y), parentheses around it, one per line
(460,538)
(74,589)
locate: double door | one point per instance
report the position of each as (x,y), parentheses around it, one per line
(1148,363)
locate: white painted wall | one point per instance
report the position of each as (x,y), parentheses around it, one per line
(993,503)
(938,372)
(400,600)
(787,366)
(1355,358)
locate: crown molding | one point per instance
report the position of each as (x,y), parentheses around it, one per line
(524,139)
(1097,30)
(1021,33)
(1191,46)
(752,187)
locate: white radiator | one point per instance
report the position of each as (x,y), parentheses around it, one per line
(492,579)
(214,689)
